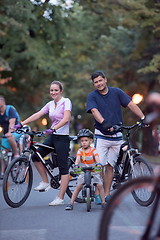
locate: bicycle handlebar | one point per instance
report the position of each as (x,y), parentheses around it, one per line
(120,128)
(35,133)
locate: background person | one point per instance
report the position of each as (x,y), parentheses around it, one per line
(87,156)
(105,105)
(59,110)
(8,118)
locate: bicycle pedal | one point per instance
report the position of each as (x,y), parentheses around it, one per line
(45,190)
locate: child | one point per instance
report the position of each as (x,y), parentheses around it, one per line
(86,156)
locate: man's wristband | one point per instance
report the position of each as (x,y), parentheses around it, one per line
(143,118)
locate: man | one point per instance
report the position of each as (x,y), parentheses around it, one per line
(105,105)
(8,118)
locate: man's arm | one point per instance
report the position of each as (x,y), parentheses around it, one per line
(97,116)
(136,110)
(10,126)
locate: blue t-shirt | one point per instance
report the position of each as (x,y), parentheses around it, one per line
(109,105)
(4,119)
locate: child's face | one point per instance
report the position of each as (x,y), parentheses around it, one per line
(85,142)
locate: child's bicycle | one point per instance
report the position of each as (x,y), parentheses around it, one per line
(130,164)
(88,189)
(18,178)
(122,217)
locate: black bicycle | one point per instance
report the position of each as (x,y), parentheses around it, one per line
(124,218)
(18,178)
(130,164)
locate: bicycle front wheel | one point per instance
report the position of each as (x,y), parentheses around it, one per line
(88,199)
(17,182)
(142,168)
(123,218)
(73,182)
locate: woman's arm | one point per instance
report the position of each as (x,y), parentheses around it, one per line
(33,117)
(65,119)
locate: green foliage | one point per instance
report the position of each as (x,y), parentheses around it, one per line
(41,42)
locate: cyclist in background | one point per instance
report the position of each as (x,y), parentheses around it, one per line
(105,105)
(87,156)
(8,118)
(153,105)
(59,110)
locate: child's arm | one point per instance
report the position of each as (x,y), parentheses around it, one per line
(97,159)
(77,160)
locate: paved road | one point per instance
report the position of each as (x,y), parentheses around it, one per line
(36,220)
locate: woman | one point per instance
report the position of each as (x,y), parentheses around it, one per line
(59,111)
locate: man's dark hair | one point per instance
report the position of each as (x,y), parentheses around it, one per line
(97,74)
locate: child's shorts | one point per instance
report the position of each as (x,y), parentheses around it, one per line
(95,179)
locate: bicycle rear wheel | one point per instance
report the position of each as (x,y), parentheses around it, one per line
(73,182)
(142,168)
(123,218)
(17,182)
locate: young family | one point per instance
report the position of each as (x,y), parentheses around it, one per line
(104,103)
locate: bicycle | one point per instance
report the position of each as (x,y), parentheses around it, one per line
(88,189)
(7,154)
(115,221)
(18,178)
(130,164)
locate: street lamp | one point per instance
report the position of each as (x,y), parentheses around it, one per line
(137,98)
(44,122)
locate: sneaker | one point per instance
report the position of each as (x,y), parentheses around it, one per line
(42,187)
(1,176)
(56,201)
(107,198)
(97,200)
(69,207)
(103,205)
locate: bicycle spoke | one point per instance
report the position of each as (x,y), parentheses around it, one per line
(123,217)
(17,182)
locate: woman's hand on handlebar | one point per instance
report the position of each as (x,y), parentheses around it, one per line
(17,126)
(49,131)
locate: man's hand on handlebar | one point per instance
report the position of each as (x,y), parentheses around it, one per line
(142,123)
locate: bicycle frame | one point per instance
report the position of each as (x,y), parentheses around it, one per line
(88,188)
(152,216)
(125,160)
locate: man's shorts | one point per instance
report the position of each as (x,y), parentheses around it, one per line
(95,179)
(5,144)
(108,150)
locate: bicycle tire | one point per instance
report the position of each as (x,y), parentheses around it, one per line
(73,182)
(142,168)
(17,182)
(88,199)
(115,222)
